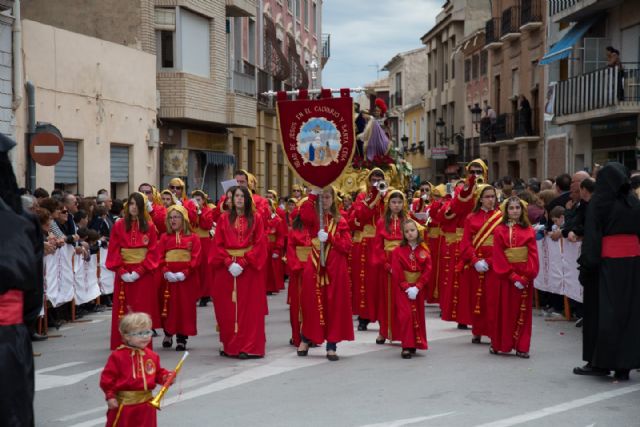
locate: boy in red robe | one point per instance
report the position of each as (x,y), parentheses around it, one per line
(131,373)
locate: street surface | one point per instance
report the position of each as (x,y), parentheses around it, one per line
(454,383)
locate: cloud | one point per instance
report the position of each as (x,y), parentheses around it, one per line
(366,34)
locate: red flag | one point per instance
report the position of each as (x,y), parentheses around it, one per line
(317,136)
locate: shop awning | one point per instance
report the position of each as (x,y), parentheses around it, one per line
(216,158)
(562,49)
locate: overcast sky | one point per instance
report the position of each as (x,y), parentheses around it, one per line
(366,34)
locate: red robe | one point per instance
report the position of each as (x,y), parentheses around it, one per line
(240,312)
(180,253)
(433,239)
(133,296)
(481,296)
(201,228)
(364,271)
(131,369)
(409,314)
(325,304)
(383,245)
(298,250)
(159,216)
(512,326)
(454,297)
(276,233)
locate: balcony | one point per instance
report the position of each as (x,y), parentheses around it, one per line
(530,15)
(243,79)
(492,34)
(511,128)
(608,92)
(510,24)
(241,110)
(576,10)
(239,8)
(326,48)
(266,82)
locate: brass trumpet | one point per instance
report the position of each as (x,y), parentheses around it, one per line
(155,402)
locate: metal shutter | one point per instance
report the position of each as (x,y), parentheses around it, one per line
(66,170)
(119,164)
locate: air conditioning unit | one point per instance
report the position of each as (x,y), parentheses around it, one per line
(153,137)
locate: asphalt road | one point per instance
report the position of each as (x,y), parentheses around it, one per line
(454,383)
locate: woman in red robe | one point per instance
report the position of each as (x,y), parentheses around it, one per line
(276,234)
(324,302)
(298,251)
(411,271)
(515,266)
(388,237)
(131,256)
(476,251)
(433,238)
(202,228)
(179,257)
(238,257)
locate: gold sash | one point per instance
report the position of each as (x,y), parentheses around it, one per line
(271,238)
(411,276)
(201,232)
(302,252)
(133,397)
(177,255)
(517,254)
(434,232)
(315,242)
(488,241)
(390,245)
(133,255)
(485,233)
(239,252)
(453,237)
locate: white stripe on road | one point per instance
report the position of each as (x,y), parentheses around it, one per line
(56,367)
(407,421)
(563,407)
(45,382)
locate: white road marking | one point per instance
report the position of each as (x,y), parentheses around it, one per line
(45,382)
(408,421)
(563,407)
(57,367)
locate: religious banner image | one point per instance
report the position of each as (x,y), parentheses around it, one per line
(317,135)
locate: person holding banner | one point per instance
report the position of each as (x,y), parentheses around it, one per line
(178,253)
(476,251)
(388,237)
(514,267)
(410,270)
(366,211)
(238,257)
(131,256)
(324,298)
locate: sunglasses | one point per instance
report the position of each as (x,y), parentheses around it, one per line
(477,171)
(175,187)
(140,334)
(147,192)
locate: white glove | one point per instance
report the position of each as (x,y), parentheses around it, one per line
(149,206)
(412,292)
(316,191)
(235,269)
(126,277)
(424,197)
(134,276)
(518,285)
(170,277)
(275,256)
(481,266)
(323,236)
(179,276)
(178,201)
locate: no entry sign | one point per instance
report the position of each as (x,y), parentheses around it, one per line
(46,148)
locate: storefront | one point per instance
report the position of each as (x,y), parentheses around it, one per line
(615,140)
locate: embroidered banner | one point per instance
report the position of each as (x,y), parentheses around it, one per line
(317,135)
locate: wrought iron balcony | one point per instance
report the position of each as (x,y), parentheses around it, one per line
(492,34)
(326,48)
(510,24)
(576,10)
(530,15)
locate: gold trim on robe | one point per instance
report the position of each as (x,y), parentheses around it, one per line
(133,397)
(517,254)
(178,255)
(411,276)
(303,252)
(390,245)
(239,252)
(133,255)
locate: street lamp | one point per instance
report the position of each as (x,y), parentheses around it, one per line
(441,130)
(405,142)
(475,115)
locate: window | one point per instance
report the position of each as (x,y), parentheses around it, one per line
(595,56)
(475,65)
(314,18)
(298,10)
(66,170)
(194,43)
(515,82)
(484,59)
(305,11)
(289,5)
(398,100)
(165,26)
(268,164)
(251,54)
(251,155)
(467,70)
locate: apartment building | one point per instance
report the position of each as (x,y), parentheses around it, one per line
(444,99)
(593,105)
(515,39)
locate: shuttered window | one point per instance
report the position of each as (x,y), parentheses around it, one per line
(66,170)
(119,164)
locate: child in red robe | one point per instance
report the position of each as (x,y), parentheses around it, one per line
(131,373)
(411,271)
(276,235)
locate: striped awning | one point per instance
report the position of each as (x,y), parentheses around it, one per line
(217,158)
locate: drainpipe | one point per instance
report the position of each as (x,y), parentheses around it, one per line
(31,130)
(17,56)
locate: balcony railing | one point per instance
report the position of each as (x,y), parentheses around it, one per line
(510,21)
(492,31)
(530,12)
(326,48)
(607,87)
(244,84)
(264,83)
(557,6)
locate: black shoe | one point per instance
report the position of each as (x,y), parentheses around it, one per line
(334,358)
(380,341)
(154,333)
(167,341)
(243,356)
(290,341)
(579,323)
(204,301)
(222,353)
(462,326)
(362,324)
(38,337)
(362,327)
(412,350)
(621,375)
(406,353)
(303,353)
(181,346)
(591,371)
(476,340)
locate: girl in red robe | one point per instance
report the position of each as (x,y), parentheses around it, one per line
(131,248)
(515,266)
(476,251)
(238,257)
(388,237)
(179,257)
(132,371)
(411,271)
(298,251)
(324,302)
(202,228)
(276,233)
